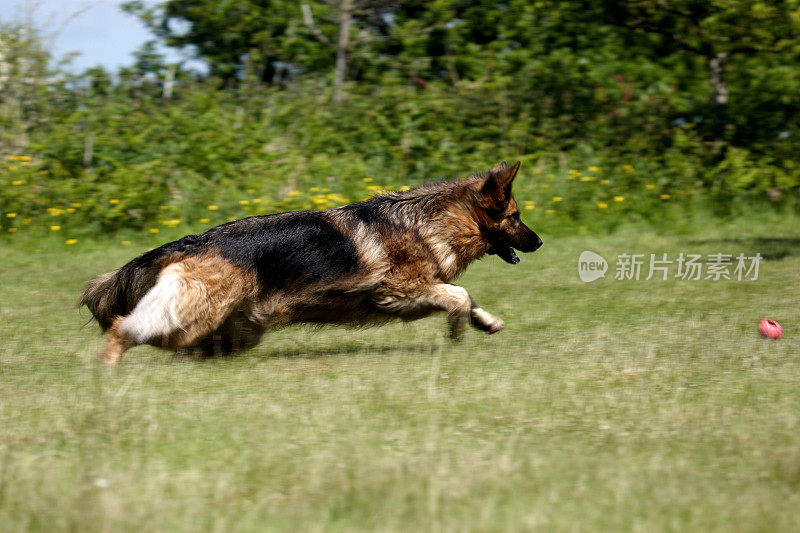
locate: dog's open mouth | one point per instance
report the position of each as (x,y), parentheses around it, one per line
(504,252)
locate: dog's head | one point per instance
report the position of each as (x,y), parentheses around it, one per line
(501,223)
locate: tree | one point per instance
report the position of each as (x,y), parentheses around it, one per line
(345,14)
(230,35)
(24,75)
(715,30)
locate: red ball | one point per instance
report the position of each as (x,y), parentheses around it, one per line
(770,328)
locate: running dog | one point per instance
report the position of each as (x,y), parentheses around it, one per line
(392,256)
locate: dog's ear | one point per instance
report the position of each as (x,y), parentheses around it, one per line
(502,165)
(497,185)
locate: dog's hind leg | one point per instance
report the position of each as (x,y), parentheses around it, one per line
(236,334)
(190,300)
(154,319)
(117,343)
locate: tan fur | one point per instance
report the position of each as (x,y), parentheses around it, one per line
(211,289)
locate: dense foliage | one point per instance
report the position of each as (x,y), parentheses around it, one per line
(620,111)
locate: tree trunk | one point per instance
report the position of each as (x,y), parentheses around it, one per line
(342,46)
(719,102)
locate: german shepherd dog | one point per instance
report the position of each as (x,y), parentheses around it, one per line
(392,256)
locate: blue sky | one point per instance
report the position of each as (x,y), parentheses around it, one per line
(102,34)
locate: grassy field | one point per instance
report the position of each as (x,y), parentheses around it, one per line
(622,405)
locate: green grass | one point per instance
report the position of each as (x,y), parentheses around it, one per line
(644,406)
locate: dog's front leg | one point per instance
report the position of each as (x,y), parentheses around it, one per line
(454,300)
(475,315)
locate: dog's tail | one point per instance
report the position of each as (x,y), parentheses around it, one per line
(116,293)
(101,295)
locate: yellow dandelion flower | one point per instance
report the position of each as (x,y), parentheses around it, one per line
(204,220)
(665,196)
(55,228)
(368,180)
(212,207)
(550,211)
(113,201)
(588,178)
(256,200)
(74,205)
(602,205)
(529,207)
(11,215)
(314,189)
(70,210)
(594,169)
(231,219)
(70,241)
(294,192)
(17,182)
(43,172)
(549,176)
(12,168)
(154,230)
(619,198)
(244,202)
(557,198)
(126,243)
(604,182)
(650,186)
(628,168)
(12,230)
(250,191)
(404,188)
(574,173)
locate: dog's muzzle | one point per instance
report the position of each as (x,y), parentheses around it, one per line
(507,253)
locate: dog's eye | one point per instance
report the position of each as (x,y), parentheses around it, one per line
(515,217)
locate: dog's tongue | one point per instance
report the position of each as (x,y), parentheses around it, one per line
(506,253)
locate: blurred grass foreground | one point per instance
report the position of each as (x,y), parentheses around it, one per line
(612,405)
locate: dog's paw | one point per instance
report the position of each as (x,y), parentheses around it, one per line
(486,321)
(496,326)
